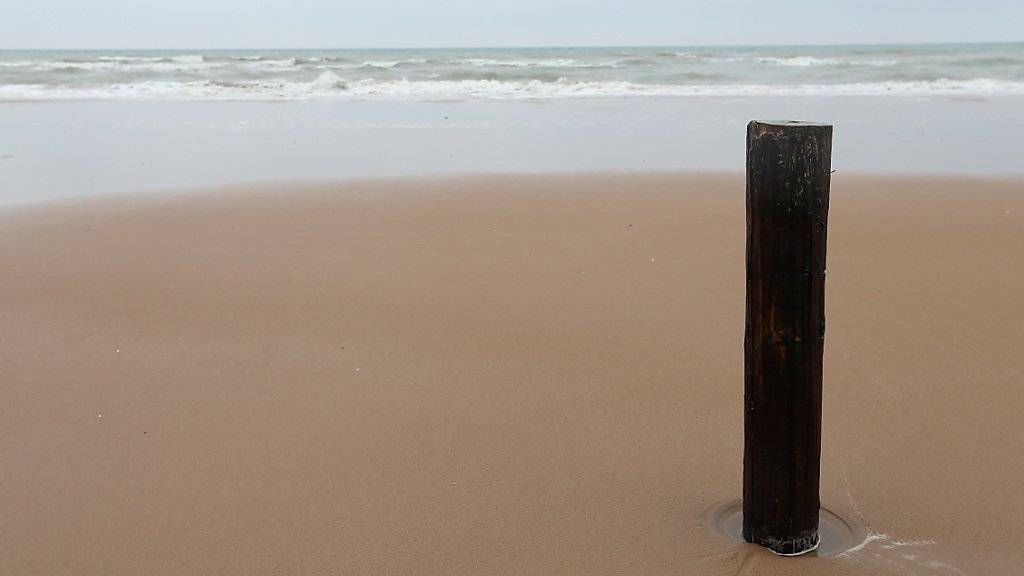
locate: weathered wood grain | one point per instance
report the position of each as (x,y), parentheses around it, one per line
(788,174)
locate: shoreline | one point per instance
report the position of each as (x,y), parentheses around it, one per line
(491,374)
(134,146)
(382,183)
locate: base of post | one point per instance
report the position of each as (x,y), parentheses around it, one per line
(788,546)
(836,534)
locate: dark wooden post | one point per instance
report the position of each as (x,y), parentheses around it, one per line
(788,174)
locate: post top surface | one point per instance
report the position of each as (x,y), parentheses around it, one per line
(792,123)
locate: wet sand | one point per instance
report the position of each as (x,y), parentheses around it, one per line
(165,144)
(492,375)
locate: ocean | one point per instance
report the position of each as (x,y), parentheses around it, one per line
(512,73)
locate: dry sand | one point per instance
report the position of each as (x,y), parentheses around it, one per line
(493,375)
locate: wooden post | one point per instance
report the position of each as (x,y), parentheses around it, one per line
(788,175)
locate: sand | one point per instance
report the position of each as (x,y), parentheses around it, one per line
(492,375)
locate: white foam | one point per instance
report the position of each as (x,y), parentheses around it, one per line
(800,61)
(868,539)
(789,61)
(116,64)
(280,63)
(328,81)
(130,59)
(542,63)
(331,86)
(331,64)
(805,61)
(183,59)
(385,64)
(190,58)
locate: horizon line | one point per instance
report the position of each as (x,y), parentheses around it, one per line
(531,47)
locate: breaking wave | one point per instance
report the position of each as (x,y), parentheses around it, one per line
(514,73)
(330,85)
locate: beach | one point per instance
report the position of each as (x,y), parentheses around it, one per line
(480,310)
(490,374)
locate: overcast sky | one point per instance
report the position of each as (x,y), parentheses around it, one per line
(428,23)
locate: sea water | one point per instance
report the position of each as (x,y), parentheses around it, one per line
(508,73)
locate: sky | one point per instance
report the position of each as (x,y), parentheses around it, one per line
(52,24)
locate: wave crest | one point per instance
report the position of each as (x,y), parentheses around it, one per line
(330,85)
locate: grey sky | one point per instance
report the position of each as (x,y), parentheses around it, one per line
(412,23)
